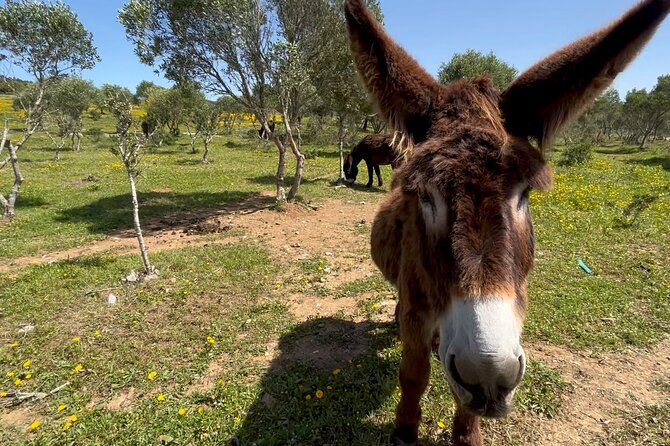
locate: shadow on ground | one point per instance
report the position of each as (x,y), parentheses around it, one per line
(663,161)
(340,358)
(162,210)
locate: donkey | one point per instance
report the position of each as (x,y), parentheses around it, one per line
(454,234)
(375,150)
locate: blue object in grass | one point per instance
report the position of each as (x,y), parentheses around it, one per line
(583,266)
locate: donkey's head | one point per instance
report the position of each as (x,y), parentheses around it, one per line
(350,170)
(467,236)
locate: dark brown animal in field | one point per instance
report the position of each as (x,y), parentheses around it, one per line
(263,134)
(375,150)
(148,128)
(454,233)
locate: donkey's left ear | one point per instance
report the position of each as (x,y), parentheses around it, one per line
(552,93)
(402,90)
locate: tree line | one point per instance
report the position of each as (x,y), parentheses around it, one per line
(266,58)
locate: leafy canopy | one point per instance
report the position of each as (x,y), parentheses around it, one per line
(46,40)
(472,64)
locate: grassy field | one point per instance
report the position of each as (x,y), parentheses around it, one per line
(211,353)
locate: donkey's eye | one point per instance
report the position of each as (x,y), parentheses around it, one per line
(524,197)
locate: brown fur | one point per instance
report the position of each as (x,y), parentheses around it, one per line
(375,150)
(472,146)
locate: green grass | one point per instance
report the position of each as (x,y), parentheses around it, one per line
(648,426)
(234,294)
(59,208)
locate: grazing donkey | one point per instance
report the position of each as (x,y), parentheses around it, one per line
(454,234)
(375,150)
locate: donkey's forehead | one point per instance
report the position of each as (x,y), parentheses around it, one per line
(477,157)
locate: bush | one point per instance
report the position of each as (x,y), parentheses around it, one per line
(95,115)
(574,154)
(95,133)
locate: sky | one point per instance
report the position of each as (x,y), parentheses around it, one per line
(518,31)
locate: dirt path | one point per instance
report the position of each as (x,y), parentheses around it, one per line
(298,230)
(602,388)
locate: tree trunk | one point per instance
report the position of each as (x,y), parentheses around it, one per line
(76,141)
(340,140)
(207,140)
(10,203)
(281,169)
(148,269)
(281,165)
(299,159)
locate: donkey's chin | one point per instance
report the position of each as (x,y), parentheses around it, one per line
(480,406)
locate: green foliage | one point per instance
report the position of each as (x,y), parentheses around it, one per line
(144,90)
(574,154)
(472,64)
(47,40)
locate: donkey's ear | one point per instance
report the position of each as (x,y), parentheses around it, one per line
(540,102)
(402,89)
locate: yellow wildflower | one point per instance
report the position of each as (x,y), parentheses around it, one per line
(78,368)
(337,372)
(220,382)
(73,418)
(201,409)
(238,420)
(17,382)
(440,424)
(10,374)
(182,412)
(27,363)
(67,425)
(152,375)
(61,408)
(319,394)
(308,397)
(96,333)
(35,424)
(28,375)
(211,340)
(329,387)
(76,339)
(3,394)
(14,345)
(160,397)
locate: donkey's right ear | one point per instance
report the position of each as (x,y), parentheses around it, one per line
(402,90)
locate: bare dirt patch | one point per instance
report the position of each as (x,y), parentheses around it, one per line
(19,417)
(603,388)
(297,231)
(209,378)
(124,400)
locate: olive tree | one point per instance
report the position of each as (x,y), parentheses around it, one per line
(129,150)
(65,105)
(226,45)
(472,64)
(208,124)
(47,41)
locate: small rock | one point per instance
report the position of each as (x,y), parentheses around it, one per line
(25,328)
(297,232)
(322,279)
(132,277)
(362,202)
(111,299)
(269,401)
(329,254)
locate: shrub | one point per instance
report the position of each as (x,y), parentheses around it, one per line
(95,133)
(95,115)
(574,154)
